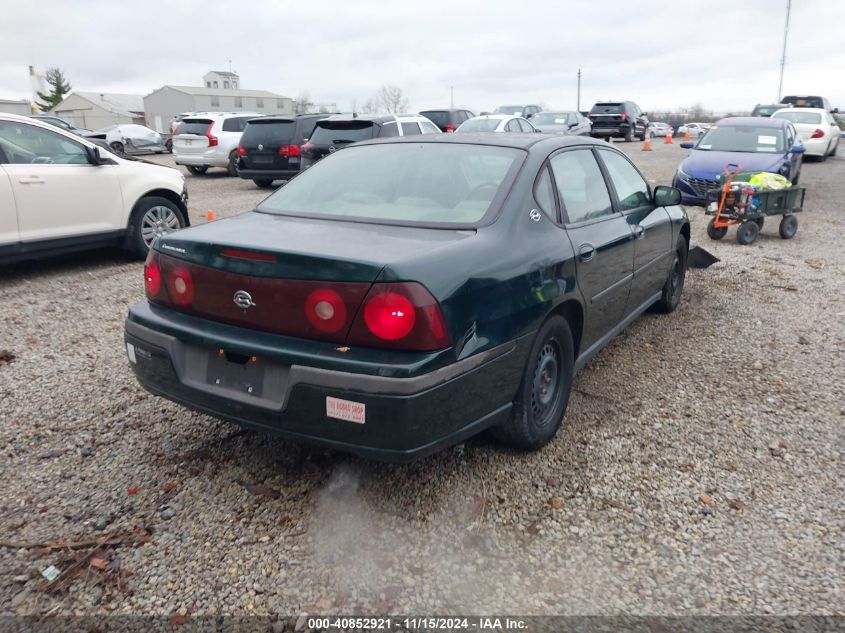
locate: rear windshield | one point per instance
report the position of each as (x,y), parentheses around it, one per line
(608,108)
(401,183)
(730,138)
(550,118)
(337,132)
(193,126)
(805,102)
(796,116)
(269,132)
(479,125)
(767,110)
(438,117)
(514,109)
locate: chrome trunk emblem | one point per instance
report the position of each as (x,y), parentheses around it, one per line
(243,299)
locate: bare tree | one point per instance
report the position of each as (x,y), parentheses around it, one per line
(391,99)
(303,102)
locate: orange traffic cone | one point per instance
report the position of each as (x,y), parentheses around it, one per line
(647,142)
(687,136)
(210,216)
(668,140)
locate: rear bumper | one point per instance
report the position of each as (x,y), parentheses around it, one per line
(267,174)
(605,129)
(405,418)
(200,160)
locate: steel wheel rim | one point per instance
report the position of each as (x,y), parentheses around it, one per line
(158,220)
(545,388)
(676,276)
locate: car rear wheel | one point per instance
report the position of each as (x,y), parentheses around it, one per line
(544,390)
(263,183)
(152,217)
(117,148)
(629,135)
(232,167)
(197,171)
(670,295)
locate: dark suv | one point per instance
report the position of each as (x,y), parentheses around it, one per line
(336,132)
(447,120)
(618,118)
(270,148)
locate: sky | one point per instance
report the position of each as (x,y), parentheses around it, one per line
(722,54)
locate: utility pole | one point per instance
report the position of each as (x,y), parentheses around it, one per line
(578,107)
(451,97)
(783,56)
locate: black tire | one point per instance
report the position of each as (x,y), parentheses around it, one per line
(140,222)
(642,136)
(629,135)
(788,227)
(760,222)
(715,233)
(747,232)
(232,167)
(168,145)
(543,394)
(263,183)
(670,295)
(197,170)
(117,148)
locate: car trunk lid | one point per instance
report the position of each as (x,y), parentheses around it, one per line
(193,136)
(270,144)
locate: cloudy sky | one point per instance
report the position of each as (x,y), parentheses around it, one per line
(723,54)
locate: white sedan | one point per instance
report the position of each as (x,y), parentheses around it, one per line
(496,123)
(695,129)
(59,192)
(817,128)
(130,138)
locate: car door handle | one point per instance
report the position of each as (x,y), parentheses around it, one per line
(31,180)
(586,252)
(639,231)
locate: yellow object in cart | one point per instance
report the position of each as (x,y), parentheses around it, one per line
(770,182)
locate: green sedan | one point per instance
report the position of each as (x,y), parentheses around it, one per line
(404,294)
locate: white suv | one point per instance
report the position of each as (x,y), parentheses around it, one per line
(60,192)
(209,139)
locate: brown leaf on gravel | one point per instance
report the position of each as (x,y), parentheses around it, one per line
(685,468)
(815,263)
(706,500)
(134,490)
(169,486)
(736,504)
(260,490)
(56,452)
(177,619)
(555,504)
(99,563)
(6,357)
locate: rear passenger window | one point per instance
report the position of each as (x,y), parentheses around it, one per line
(232,125)
(525,125)
(409,129)
(631,189)
(544,194)
(581,186)
(429,128)
(389,129)
(512,126)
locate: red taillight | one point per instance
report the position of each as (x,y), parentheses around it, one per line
(180,285)
(400,316)
(818,134)
(623,116)
(325,310)
(289,150)
(212,140)
(240,151)
(450,127)
(152,276)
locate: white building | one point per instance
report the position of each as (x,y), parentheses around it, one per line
(95,110)
(16,106)
(221,79)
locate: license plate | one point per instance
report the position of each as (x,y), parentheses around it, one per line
(263,160)
(236,372)
(187,143)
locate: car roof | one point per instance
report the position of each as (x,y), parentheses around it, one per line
(750,121)
(518,140)
(800,110)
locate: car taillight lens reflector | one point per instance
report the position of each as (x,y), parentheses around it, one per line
(240,151)
(450,127)
(212,140)
(180,285)
(289,150)
(390,316)
(624,116)
(818,134)
(325,310)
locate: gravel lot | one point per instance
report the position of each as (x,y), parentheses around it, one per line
(699,471)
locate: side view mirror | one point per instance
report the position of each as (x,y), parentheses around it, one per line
(835,111)
(94,157)
(666,196)
(797,149)
(687,144)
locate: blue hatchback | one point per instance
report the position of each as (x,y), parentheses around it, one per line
(753,143)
